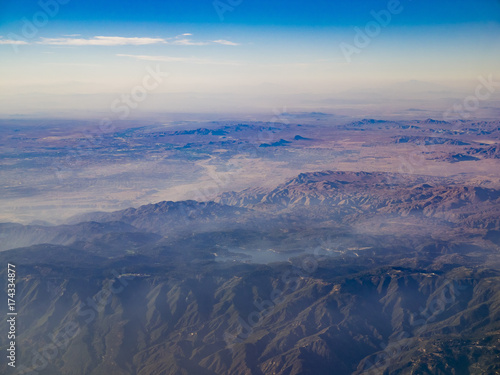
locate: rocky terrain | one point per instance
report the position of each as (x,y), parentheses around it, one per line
(53,170)
(361,272)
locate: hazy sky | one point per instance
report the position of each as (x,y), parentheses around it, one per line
(75,54)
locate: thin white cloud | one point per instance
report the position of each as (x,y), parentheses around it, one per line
(225,42)
(73,64)
(10,41)
(187,42)
(100,41)
(72,40)
(173,59)
(181,40)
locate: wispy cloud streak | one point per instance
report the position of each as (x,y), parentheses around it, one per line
(100,41)
(10,41)
(68,40)
(225,42)
(174,59)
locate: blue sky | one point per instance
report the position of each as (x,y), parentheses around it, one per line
(257,47)
(258,12)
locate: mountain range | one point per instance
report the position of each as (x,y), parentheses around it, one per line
(350,272)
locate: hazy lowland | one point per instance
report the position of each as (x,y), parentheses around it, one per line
(294,243)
